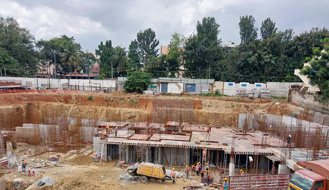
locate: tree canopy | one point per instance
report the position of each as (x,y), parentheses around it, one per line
(202,51)
(268,28)
(17,54)
(146,45)
(318,69)
(248,31)
(65,51)
(137,81)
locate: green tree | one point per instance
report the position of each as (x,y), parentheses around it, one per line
(318,69)
(137,81)
(301,46)
(120,61)
(134,61)
(268,28)
(61,49)
(157,66)
(147,45)
(71,55)
(17,48)
(248,31)
(174,56)
(8,64)
(202,51)
(105,53)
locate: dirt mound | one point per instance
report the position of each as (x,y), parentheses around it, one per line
(81,160)
(87,180)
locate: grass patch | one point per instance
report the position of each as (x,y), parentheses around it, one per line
(279,97)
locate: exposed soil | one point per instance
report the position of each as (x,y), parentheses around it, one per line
(16,109)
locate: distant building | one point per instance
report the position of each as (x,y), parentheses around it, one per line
(93,73)
(165,51)
(44,71)
(229,44)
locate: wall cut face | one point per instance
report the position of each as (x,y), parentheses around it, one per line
(16,109)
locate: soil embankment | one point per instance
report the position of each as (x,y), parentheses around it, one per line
(16,109)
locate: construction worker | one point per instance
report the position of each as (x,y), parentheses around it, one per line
(209,126)
(23,166)
(131,163)
(241,172)
(122,162)
(197,169)
(204,155)
(225,186)
(202,174)
(209,176)
(104,134)
(95,156)
(193,170)
(207,167)
(187,169)
(116,131)
(207,136)
(173,176)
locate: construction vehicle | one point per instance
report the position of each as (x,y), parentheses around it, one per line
(313,175)
(148,171)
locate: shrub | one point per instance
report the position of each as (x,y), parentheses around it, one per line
(137,81)
(91,98)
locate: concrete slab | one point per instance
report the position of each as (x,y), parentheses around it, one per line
(142,137)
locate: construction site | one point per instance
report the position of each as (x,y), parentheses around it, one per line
(57,134)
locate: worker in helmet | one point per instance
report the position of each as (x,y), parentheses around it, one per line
(187,170)
(104,134)
(208,176)
(225,185)
(204,155)
(173,176)
(209,126)
(241,172)
(207,167)
(197,168)
(193,170)
(95,156)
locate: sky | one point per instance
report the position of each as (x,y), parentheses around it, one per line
(93,21)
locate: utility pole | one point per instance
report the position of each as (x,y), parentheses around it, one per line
(5,71)
(1,71)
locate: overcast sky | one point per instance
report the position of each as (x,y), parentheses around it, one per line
(93,21)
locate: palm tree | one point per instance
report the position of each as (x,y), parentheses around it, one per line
(71,56)
(120,59)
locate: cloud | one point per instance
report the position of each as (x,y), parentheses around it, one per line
(93,21)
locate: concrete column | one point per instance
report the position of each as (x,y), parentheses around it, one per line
(217,162)
(247,160)
(231,169)
(127,154)
(187,153)
(160,155)
(283,169)
(147,154)
(171,156)
(120,153)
